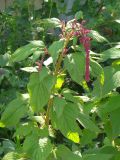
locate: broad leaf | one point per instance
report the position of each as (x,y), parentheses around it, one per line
(55,49)
(15,111)
(13,156)
(97,156)
(50,22)
(64,153)
(115,123)
(75,65)
(66,123)
(111,81)
(59,104)
(25,51)
(24,129)
(110,105)
(39,88)
(97,37)
(87,123)
(87,136)
(112,53)
(97,71)
(37,148)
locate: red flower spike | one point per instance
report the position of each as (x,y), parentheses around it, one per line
(86,43)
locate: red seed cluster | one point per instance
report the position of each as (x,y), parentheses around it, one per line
(82,33)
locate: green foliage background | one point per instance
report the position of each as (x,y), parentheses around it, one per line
(98,127)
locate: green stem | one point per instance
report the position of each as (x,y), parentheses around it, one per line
(50,103)
(51,5)
(56,73)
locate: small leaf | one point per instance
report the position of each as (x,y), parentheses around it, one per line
(60,81)
(74,136)
(79,15)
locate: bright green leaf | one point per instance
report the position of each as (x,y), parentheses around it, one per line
(75,65)
(39,88)
(55,49)
(25,51)
(97,37)
(112,53)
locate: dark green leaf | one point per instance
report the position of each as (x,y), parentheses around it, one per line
(15,111)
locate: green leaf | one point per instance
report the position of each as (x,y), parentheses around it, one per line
(43,150)
(115,123)
(87,136)
(112,53)
(69,95)
(97,37)
(64,153)
(24,129)
(111,81)
(50,22)
(97,71)
(110,105)
(58,105)
(60,81)
(98,156)
(66,123)
(85,121)
(112,109)
(37,148)
(13,156)
(55,49)
(4,60)
(39,88)
(79,15)
(75,65)
(15,110)
(25,51)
